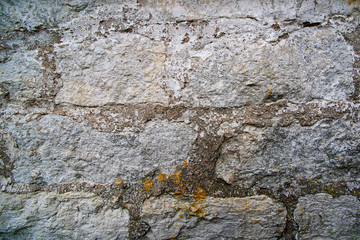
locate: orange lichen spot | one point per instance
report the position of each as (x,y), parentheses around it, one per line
(162,177)
(200,193)
(351,1)
(197,209)
(270,91)
(185,164)
(297,133)
(304,228)
(177,192)
(276,169)
(178,177)
(255,221)
(173,236)
(118,182)
(219,162)
(148,185)
(246,206)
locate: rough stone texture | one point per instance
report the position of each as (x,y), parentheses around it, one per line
(227,63)
(66,216)
(100,73)
(267,156)
(55,150)
(257,217)
(128,104)
(321,216)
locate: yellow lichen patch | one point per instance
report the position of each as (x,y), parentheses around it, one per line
(173,236)
(200,193)
(246,206)
(269,93)
(118,182)
(197,209)
(3,70)
(351,1)
(185,164)
(178,177)
(162,177)
(255,221)
(148,185)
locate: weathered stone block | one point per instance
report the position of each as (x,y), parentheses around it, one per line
(321,216)
(60,216)
(59,150)
(124,70)
(329,151)
(257,217)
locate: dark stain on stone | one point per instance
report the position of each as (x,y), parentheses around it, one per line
(311,24)
(186,39)
(276,27)
(354,39)
(6,165)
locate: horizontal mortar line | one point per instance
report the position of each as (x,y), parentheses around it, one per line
(321,103)
(107,188)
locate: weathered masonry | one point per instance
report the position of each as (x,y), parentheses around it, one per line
(176,119)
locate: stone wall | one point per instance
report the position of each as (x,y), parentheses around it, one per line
(176,119)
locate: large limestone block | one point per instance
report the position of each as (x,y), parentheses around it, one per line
(234,62)
(22,76)
(125,69)
(328,150)
(54,149)
(257,217)
(321,216)
(305,11)
(60,216)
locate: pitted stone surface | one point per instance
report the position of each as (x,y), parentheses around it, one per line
(257,217)
(54,150)
(321,216)
(137,99)
(124,70)
(268,157)
(60,216)
(229,63)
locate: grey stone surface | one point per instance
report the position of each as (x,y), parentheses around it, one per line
(59,150)
(133,99)
(257,217)
(321,216)
(328,150)
(229,63)
(60,216)
(125,69)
